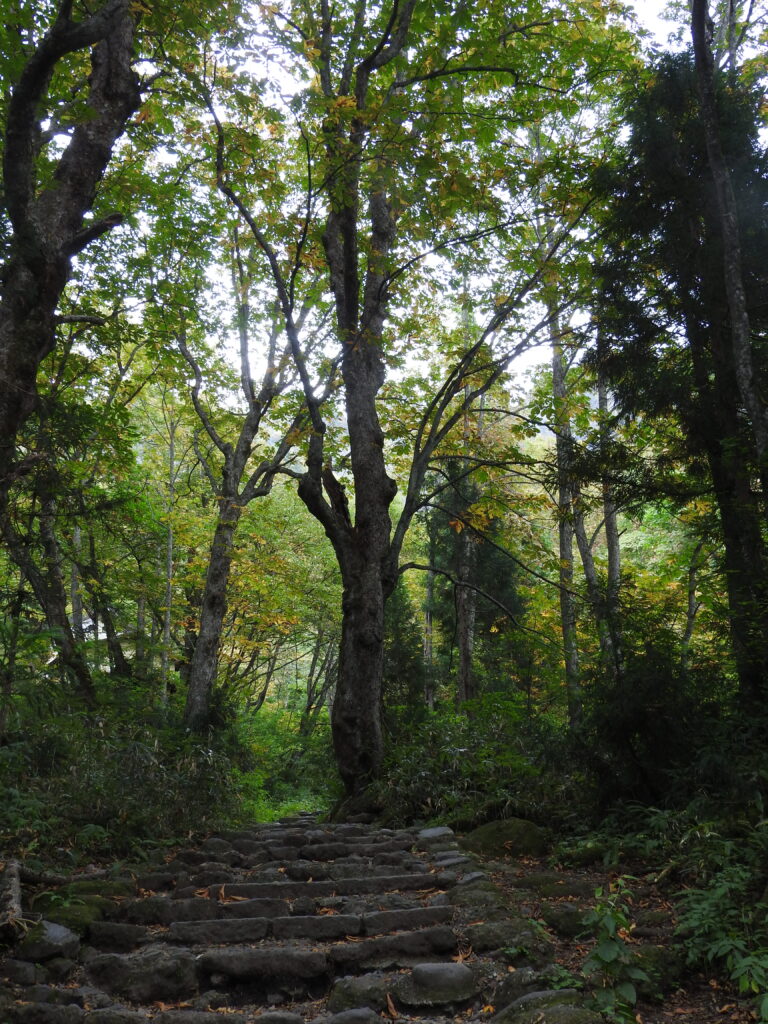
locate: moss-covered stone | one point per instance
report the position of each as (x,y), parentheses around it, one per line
(518,938)
(566,919)
(102,887)
(74,912)
(554,885)
(514,836)
(558,1006)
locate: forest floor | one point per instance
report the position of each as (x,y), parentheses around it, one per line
(530,883)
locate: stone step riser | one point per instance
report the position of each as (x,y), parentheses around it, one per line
(116,937)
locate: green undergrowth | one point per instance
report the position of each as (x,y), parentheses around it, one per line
(488,760)
(715,870)
(126,779)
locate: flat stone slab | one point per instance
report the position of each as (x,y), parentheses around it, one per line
(115,1015)
(400,949)
(115,937)
(325,927)
(236,929)
(164,910)
(437,985)
(196,1017)
(342,887)
(254,908)
(360,1015)
(260,966)
(382,921)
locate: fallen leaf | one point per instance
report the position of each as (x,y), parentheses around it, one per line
(391,1011)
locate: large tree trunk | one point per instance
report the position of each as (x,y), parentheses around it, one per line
(720,429)
(741,338)
(356,721)
(48,225)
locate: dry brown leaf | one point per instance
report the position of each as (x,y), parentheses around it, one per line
(391,1011)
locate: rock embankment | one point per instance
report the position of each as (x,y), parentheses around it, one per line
(289,923)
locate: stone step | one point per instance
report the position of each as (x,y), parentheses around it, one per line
(322,927)
(341,887)
(291,923)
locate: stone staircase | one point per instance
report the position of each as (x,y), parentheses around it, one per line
(290,923)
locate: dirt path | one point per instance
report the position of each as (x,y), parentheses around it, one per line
(302,923)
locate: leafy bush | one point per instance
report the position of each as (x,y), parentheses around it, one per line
(468,766)
(610,964)
(724,921)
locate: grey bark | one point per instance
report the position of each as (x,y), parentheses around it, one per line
(466,597)
(692,603)
(165,652)
(612,535)
(565,527)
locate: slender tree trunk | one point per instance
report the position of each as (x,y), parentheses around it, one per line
(202,672)
(565,518)
(140,651)
(692,604)
(75,592)
(595,595)
(466,597)
(427,650)
(356,723)
(466,611)
(612,536)
(165,656)
(50,592)
(96,587)
(8,671)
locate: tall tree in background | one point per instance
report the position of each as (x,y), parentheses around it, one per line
(669,319)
